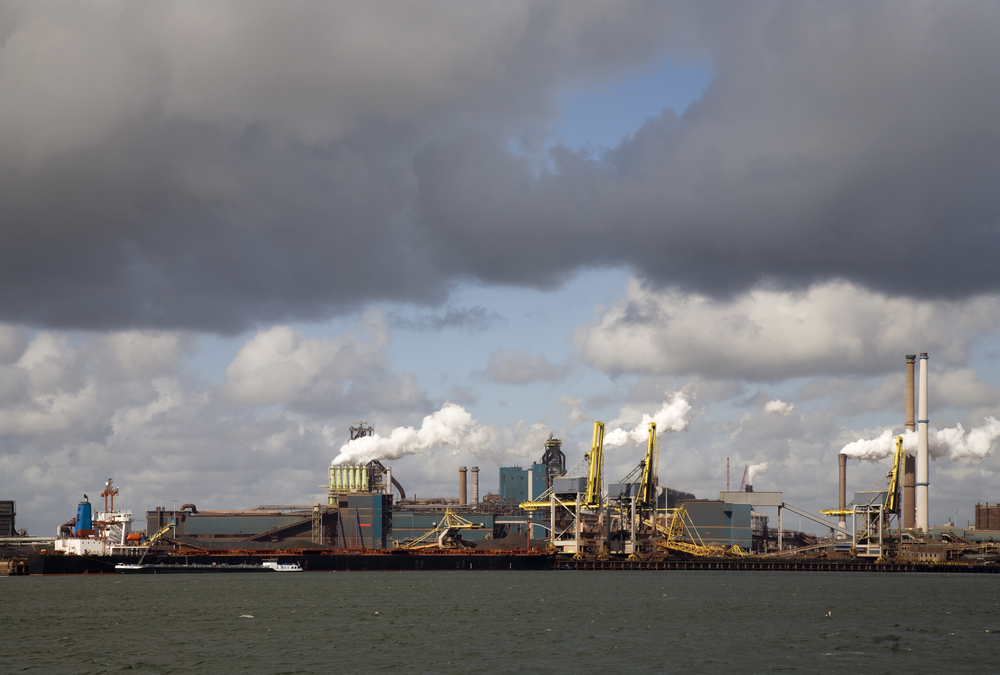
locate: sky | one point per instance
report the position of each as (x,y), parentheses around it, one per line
(232,230)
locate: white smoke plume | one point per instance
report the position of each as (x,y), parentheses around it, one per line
(778,407)
(951,444)
(453,426)
(755,470)
(673,416)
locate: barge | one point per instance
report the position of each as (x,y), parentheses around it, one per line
(310,560)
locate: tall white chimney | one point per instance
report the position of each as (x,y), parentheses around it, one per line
(922,465)
(475,487)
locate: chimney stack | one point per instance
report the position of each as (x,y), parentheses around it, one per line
(842,460)
(462,498)
(475,486)
(909,461)
(922,465)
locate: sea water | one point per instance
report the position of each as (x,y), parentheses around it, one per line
(571,622)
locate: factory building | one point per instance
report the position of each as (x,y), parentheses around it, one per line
(7,518)
(721,524)
(987,517)
(260,527)
(519,485)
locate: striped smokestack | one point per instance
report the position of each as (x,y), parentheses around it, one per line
(909,462)
(475,485)
(462,497)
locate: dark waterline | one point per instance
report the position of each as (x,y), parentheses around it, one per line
(502,622)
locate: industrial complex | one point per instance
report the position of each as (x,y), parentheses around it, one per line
(545,515)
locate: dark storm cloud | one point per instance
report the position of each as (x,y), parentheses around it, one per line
(836,141)
(187,227)
(176,166)
(220,167)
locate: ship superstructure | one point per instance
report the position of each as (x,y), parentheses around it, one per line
(104,532)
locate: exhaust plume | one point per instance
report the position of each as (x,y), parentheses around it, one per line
(673,416)
(452,425)
(951,444)
(755,470)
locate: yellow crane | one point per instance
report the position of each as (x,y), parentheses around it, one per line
(156,537)
(445,534)
(892,499)
(674,539)
(873,521)
(595,476)
(646,500)
(634,498)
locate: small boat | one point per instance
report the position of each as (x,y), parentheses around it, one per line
(282,567)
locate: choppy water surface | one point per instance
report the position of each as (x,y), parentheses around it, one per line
(501,622)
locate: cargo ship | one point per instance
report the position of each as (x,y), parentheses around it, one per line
(310,560)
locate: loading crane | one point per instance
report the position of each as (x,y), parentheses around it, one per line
(592,498)
(674,537)
(646,499)
(595,476)
(569,497)
(446,534)
(873,520)
(892,499)
(635,500)
(160,534)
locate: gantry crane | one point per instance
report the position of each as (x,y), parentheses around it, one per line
(635,500)
(569,497)
(872,521)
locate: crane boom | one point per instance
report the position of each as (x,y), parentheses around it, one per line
(647,485)
(892,499)
(595,477)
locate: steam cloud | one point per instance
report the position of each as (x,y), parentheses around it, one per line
(952,444)
(451,425)
(755,470)
(673,416)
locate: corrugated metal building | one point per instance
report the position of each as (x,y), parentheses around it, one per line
(521,485)
(362,521)
(721,523)
(354,521)
(231,525)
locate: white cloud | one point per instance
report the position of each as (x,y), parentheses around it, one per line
(768,335)
(281,363)
(778,407)
(76,408)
